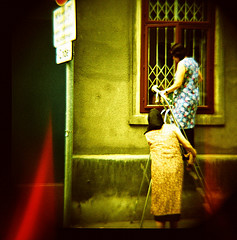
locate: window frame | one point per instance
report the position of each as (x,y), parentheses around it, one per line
(208,25)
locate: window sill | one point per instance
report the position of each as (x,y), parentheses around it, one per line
(202,119)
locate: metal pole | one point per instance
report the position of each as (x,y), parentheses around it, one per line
(68,142)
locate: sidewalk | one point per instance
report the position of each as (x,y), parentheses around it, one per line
(183,223)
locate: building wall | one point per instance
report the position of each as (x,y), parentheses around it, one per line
(102,80)
(103,85)
(223,138)
(109,130)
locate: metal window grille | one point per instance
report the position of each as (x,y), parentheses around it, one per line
(161,68)
(178,10)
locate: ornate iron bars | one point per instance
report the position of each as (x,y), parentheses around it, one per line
(178,10)
(161,68)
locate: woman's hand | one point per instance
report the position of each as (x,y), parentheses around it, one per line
(191,160)
(163,93)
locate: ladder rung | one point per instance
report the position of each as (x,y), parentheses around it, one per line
(193,175)
(200,191)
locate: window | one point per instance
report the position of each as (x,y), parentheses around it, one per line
(190,22)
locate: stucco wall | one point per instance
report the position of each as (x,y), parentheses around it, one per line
(103,96)
(103,86)
(102,80)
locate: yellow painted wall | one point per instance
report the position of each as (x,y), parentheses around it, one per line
(103,85)
(102,80)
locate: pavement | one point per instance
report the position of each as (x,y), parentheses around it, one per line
(147,224)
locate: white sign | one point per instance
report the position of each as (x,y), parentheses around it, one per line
(64,53)
(64,24)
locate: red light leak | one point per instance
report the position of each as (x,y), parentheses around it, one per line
(213,193)
(39,213)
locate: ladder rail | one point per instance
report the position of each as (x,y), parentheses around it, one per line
(140,189)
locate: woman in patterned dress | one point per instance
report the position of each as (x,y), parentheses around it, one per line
(185,90)
(166,168)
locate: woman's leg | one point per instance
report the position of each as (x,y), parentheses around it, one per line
(160,224)
(173,224)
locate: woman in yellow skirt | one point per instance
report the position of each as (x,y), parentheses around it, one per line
(166,168)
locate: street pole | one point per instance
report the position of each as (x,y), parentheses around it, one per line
(68,142)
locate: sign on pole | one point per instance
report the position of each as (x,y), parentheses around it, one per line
(64,53)
(64,26)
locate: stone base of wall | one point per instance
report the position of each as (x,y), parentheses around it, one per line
(105,188)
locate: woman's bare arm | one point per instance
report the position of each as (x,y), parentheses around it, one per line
(179,78)
(186,144)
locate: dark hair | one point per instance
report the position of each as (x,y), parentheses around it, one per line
(177,50)
(155,120)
